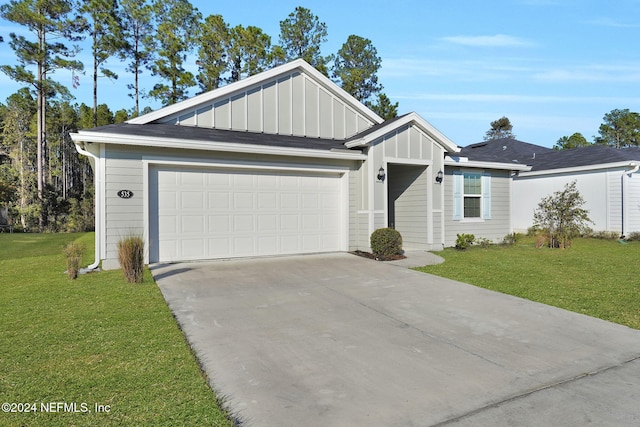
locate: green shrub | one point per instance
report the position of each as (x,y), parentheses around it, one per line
(73,252)
(463,241)
(131,257)
(483,242)
(511,239)
(386,242)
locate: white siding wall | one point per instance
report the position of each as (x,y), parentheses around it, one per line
(633,203)
(601,190)
(290,105)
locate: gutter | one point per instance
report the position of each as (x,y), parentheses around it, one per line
(96,177)
(634,168)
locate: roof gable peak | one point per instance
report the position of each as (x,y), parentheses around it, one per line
(256,80)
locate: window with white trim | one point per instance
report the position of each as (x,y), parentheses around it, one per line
(471,195)
(472,187)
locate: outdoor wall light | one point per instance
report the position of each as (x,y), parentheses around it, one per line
(439,177)
(381,174)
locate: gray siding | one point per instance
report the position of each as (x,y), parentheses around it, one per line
(291,105)
(123,217)
(408,207)
(493,229)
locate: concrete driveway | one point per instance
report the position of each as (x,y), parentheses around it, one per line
(339,340)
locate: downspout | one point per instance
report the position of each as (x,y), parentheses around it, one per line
(635,168)
(98,192)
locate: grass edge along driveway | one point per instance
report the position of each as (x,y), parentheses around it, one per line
(599,278)
(93,351)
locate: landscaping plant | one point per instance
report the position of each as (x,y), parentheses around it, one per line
(73,252)
(386,242)
(463,241)
(131,257)
(560,217)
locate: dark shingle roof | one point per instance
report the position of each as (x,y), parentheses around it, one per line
(508,150)
(219,135)
(505,150)
(584,156)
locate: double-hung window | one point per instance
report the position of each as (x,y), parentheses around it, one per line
(471,195)
(472,187)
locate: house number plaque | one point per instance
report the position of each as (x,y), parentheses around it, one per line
(125,194)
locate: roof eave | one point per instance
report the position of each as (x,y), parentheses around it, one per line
(136,140)
(585,168)
(464,162)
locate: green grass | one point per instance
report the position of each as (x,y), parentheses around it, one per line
(599,278)
(94,340)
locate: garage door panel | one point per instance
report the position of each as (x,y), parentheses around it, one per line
(219,224)
(219,213)
(192,200)
(192,224)
(192,248)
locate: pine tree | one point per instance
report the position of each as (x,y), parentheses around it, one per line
(47,19)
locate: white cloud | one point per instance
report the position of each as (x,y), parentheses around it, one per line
(591,73)
(609,22)
(498,40)
(516,98)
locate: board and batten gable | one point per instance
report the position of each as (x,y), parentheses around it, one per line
(494,228)
(292,104)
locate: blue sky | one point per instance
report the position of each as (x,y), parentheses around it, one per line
(553,67)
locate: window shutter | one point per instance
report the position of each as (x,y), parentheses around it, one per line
(486,196)
(458,182)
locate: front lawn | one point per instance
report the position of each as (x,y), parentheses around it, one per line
(599,278)
(93,351)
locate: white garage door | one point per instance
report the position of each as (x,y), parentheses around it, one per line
(207,213)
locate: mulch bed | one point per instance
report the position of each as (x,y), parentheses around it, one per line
(379,257)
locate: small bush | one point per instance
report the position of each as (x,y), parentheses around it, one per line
(73,252)
(131,257)
(386,242)
(634,236)
(483,242)
(605,235)
(463,241)
(511,239)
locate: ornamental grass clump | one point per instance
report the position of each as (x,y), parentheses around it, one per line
(73,252)
(131,257)
(386,242)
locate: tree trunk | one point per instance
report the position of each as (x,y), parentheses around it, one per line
(41,87)
(95,84)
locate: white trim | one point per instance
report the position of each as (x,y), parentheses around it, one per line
(103,201)
(463,162)
(616,165)
(255,80)
(107,138)
(146,214)
(198,163)
(411,118)
(403,161)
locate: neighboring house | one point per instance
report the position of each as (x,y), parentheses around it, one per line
(284,162)
(607,179)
